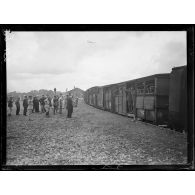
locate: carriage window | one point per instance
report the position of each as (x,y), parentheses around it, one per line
(150,87)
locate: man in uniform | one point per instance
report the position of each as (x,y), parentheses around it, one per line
(10,105)
(47,105)
(36,104)
(69,106)
(55,104)
(17,103)
(42,102)
(25,105)
(30,107)
(60,104)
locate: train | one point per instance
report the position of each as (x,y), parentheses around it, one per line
(160,99)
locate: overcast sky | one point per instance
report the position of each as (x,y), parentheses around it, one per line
(44,60)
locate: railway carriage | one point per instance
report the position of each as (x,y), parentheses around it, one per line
(160,98)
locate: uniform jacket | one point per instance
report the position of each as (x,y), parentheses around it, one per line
(69,104)
(10,103)
(25,103)
(17,103)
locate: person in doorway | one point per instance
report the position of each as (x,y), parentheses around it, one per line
(10,105)
(17,103)
(69,106)
(30,107)
(25,105)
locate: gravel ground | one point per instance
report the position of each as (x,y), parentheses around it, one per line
(91,137)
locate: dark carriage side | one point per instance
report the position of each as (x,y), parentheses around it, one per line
(178,99)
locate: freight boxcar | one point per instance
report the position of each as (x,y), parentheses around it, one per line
(178,98)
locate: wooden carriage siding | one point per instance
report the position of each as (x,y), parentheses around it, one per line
(149,98)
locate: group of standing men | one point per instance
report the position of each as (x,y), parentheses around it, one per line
(31,104)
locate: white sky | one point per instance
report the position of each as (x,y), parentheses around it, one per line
(44,60)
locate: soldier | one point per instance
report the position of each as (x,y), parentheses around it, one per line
(30,107)
(47,105)
(69,106)
(63,102)
(55,104)
(17,103)
(42,102)
(36,104)
(25,105)
(10,105)
(50,102)
(60,103)
(33,104)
